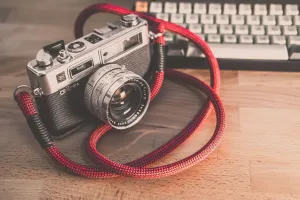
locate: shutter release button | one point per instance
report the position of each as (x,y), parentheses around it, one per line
(63,56)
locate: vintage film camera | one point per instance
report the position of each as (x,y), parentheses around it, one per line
(96,77)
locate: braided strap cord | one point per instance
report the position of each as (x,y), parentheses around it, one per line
(213,67)
(112,169)
(136,168)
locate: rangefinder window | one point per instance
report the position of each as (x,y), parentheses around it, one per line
(133,41)
(80,68)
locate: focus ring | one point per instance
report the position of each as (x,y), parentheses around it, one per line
(100,89)
(93,80)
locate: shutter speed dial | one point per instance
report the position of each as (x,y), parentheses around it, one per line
(76,47)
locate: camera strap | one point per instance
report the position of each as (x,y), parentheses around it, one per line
(137,168)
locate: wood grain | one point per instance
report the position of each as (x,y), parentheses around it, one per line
(259,157)
(4,13)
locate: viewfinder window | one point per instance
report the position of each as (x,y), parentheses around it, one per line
(132,41)
(80,68)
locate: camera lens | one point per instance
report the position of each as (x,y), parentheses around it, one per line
(117,96)
(125,101)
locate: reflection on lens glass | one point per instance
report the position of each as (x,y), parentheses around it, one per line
(125,101)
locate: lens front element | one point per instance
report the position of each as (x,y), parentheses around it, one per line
(117,96)
(125,101)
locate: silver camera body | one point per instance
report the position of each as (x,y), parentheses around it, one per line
(93,77)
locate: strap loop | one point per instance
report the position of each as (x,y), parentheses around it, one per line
(155,35)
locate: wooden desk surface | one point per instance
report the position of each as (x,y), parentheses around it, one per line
(259,157)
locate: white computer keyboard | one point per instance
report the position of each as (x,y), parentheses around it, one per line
(235,31)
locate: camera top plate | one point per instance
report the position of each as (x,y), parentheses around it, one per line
(107,44)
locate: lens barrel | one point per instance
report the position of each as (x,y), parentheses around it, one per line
(117,96)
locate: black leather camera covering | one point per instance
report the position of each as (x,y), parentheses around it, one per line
(62,113)
(65,113)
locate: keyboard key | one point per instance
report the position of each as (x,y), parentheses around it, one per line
(177,18)
(183,25)
(278,39)
(170,7)
(210,29)
(229,9)
(245,9)
(276,9)
(215,8)
(141,6)
(177,49)
(257,30)
(284,20)
(163,16)
(193,50)
(294,40)
(297,20)
(253,20)
(206,19)
(222,19)
(191,18)
(243,51)
(180,38)
(268,20)
(237,19)
(226,29)
(229,39)
(291,9)
(155,7)
(169,37)
(200,8)
(260,9)
(262,39)
(201,36)
(294,52)
(241,29)
(246,39)
(273,30)
(185,7)
(195,28)
(289,30)
(214,38)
